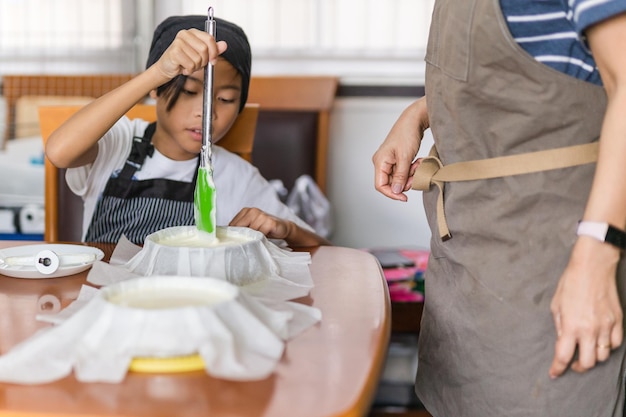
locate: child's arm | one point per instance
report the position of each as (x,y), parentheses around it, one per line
(277,228)
(75,142)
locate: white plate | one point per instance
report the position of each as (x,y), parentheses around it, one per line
(29,271)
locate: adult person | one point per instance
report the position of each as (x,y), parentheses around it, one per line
(524,307)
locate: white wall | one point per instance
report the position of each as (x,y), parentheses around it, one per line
(363,217)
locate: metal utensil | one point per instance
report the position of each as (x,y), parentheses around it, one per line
(204,195)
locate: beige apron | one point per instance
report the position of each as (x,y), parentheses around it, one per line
(487,338)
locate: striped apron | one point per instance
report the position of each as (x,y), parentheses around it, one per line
(135,208)
(487,335)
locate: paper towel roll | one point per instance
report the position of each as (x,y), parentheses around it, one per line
(7,220)
(32,218)
(3,126)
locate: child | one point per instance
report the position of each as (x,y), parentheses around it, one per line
(136,177)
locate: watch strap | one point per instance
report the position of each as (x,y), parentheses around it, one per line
(604,232)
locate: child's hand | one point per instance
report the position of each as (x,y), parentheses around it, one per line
(272,227)
(191,50)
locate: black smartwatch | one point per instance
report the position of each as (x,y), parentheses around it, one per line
(603,232)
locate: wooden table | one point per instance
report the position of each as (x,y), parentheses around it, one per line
(331,369)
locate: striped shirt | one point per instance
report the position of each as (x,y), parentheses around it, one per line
(553,31)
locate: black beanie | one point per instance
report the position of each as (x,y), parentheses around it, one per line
(238,53)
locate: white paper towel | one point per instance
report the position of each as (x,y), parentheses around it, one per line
(239,338)
(258,267)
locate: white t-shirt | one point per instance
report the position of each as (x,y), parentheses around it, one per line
(238,184)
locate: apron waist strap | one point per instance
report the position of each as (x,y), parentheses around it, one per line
(431,170)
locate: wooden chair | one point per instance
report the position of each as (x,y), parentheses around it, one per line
(53,87)
(64,210)
(293,126)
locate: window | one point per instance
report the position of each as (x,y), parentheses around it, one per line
(330,27)
(382,41)
(33,26)
(68,35)
(379,41)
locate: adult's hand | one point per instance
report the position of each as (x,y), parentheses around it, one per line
(394,163)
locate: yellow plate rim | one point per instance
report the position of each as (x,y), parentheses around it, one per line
(173,364)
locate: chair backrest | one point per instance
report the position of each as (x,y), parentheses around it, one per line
(53,87)
(293,126)
(27,111)
(64,210)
